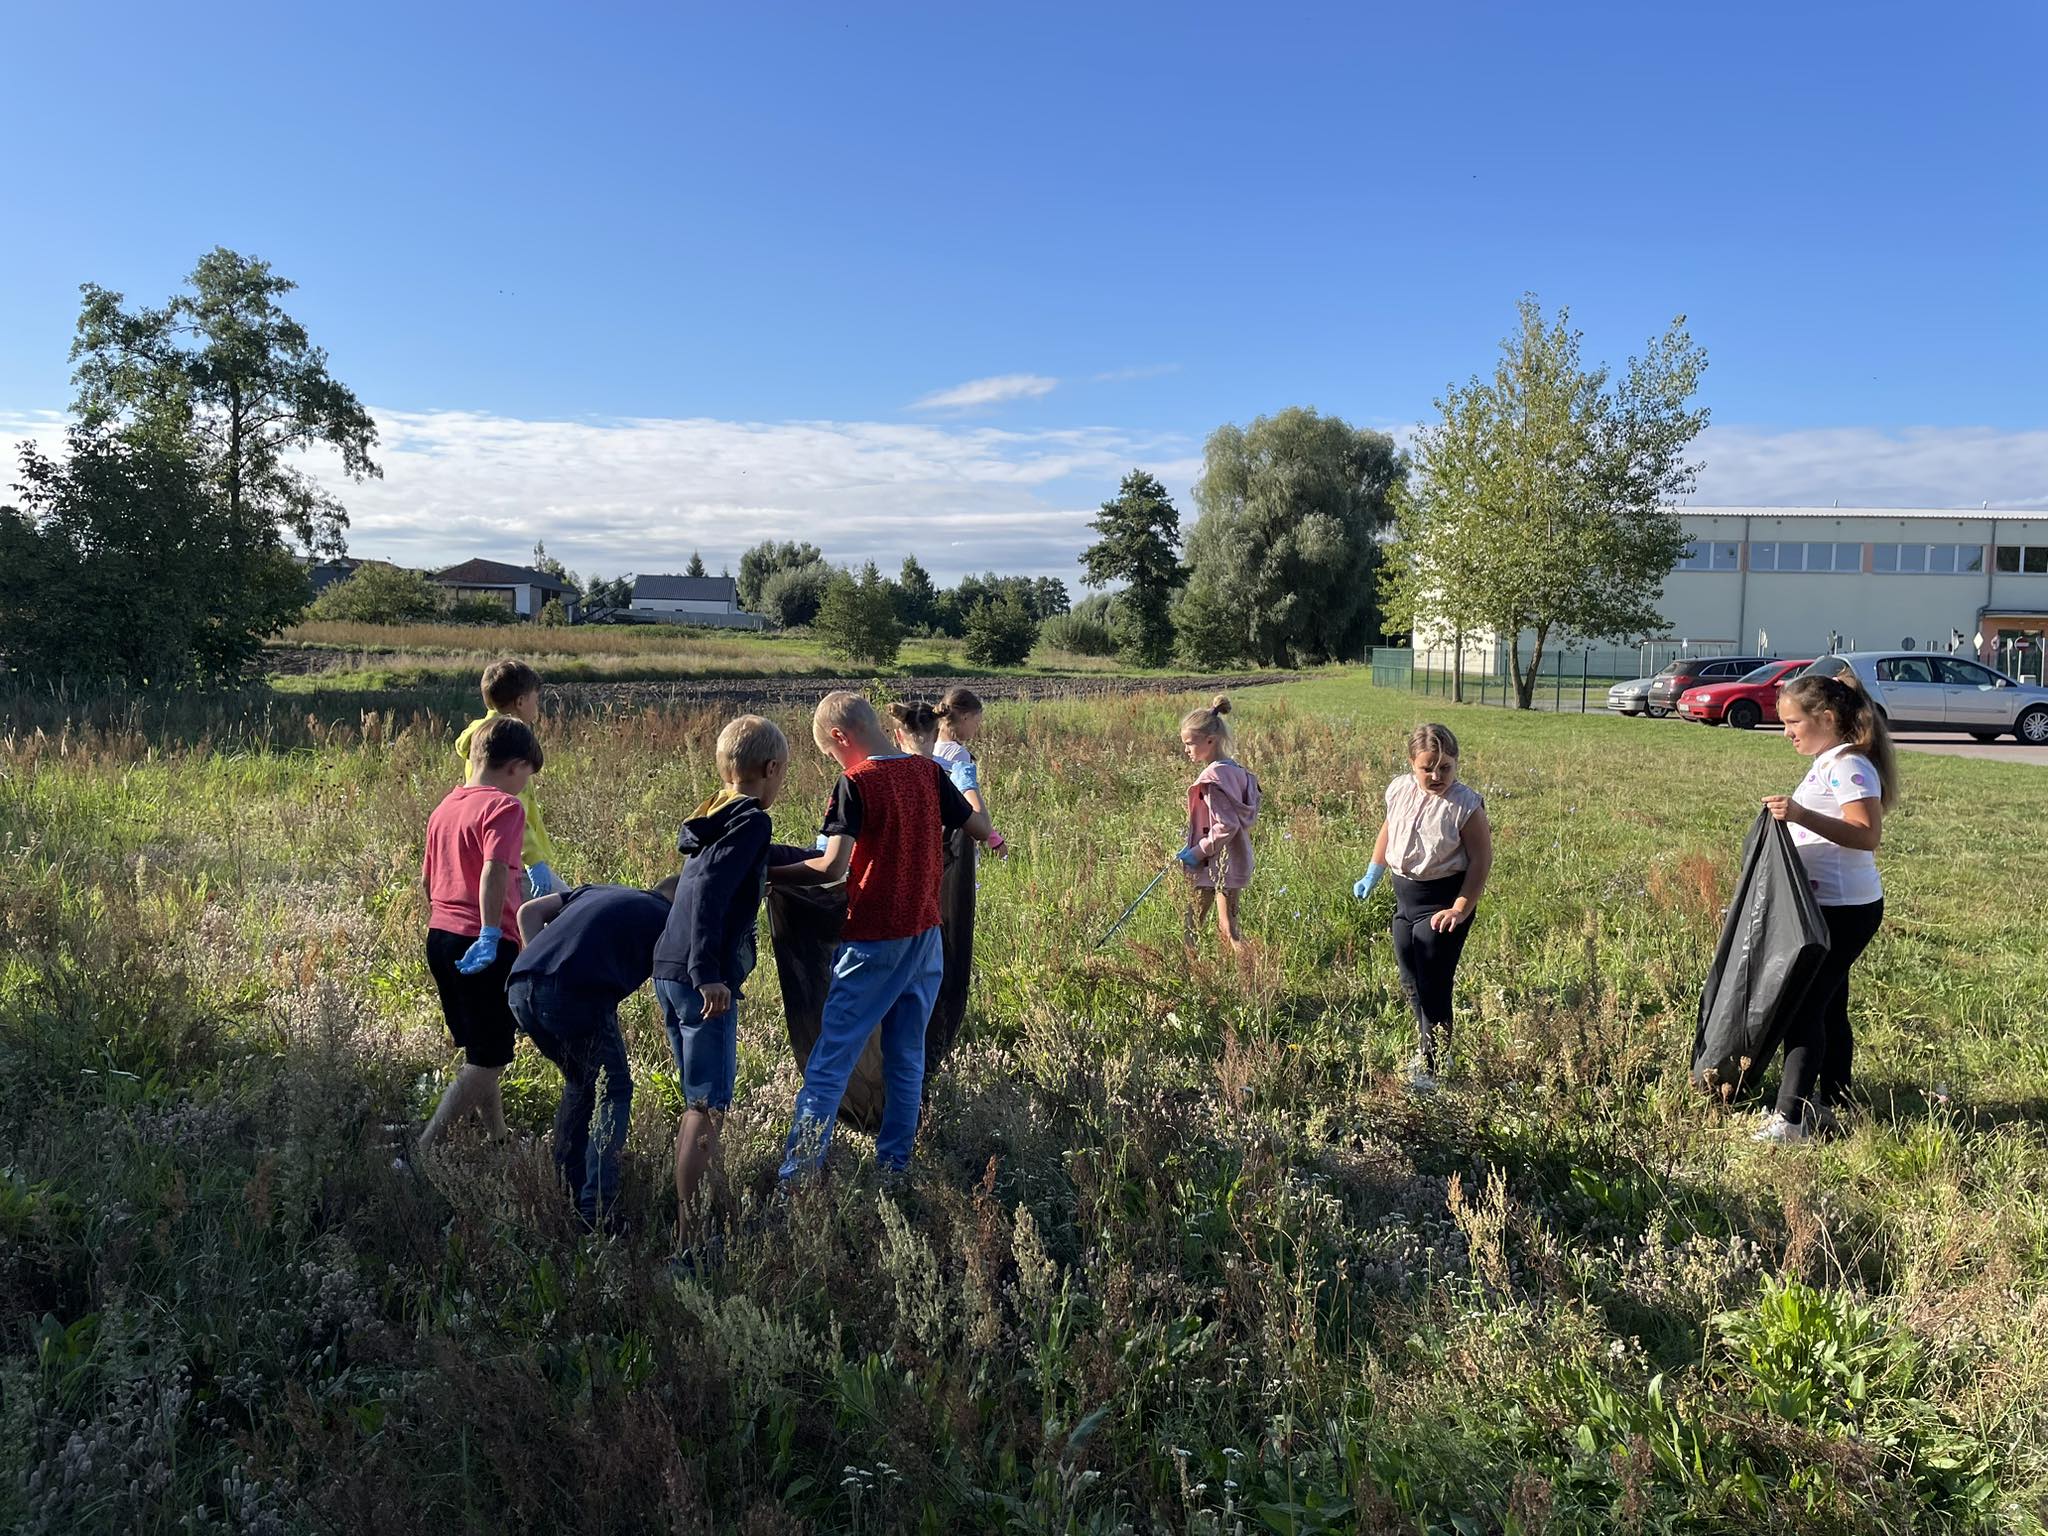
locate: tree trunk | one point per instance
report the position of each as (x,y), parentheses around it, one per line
(1525,683)
(1458,666)
(234,466)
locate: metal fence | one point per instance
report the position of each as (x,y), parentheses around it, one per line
(1569,679)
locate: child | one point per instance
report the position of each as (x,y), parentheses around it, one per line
(1837,820)
(959,714)
(1439,846)
(513,688)
(586,951)
(706,949)
(1223,802)
(473,882)
(916,729)
(884,835)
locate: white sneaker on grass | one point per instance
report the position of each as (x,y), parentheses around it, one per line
(1777,1127)
(1420,1079)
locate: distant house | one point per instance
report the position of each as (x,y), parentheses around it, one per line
(523,590)
(713,600)
(337,568)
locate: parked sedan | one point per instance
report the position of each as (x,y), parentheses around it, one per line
(1918,691)
(1751,700)
(1691,671)
(1633,698)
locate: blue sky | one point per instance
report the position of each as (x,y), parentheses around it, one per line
(643,279)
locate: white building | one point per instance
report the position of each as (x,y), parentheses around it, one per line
(693,600)
(520,588)
(1869,578)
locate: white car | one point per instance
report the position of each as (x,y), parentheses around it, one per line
(1633,698)
(1926,691)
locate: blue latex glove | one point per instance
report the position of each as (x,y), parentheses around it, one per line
(542,880)
(481,955)
(1189,857)
(1368,880)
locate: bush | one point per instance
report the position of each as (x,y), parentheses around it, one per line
(1076,635)
(1001,632)
(857,619)
(791,597)
(553,613)
(379,594)
(1205,635)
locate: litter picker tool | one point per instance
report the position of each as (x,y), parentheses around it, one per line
(1117,926)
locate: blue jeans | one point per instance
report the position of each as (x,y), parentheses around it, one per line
(885,983)
(581,1036)
(707,1051)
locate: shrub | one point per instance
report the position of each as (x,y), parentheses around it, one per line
(1000,632)
(1077,635)
(792,596)
(379,594)
(857,619)
(553,613)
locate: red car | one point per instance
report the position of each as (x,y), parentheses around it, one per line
(1751,700)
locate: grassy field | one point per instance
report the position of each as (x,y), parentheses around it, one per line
(1178,1254)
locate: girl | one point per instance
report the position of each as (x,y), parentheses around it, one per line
(1438,844)
(916,729)
(959,715)
(1223,802)
(1837,819)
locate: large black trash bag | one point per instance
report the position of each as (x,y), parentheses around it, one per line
(1772,944)
(804,924)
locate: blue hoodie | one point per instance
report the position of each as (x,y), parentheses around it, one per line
(710,933)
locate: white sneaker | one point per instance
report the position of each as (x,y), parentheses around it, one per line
(1420,1079)
(1777,1128)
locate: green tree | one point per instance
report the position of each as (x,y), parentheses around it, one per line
(764,560)
(1139,546)
(553,613)
(917,601)
(380,594)
(792,595)
(1049,598)
(1001,632)
(1207,633)
(857,619)
(1283,555)
(696,565)
(1540,496)
(608,595)
(225,372)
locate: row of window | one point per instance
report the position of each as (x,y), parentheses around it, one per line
(1885,559)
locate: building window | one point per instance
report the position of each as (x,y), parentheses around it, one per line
(1822,557)
(1713,555)
(1935,559)
(2035,561)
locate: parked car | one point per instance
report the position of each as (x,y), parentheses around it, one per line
(1691,671)
(1920,691)
(1751,700)
(1633,698)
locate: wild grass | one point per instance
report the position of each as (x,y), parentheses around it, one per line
(1177,1254)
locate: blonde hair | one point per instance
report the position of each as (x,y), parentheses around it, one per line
(1857,721)
(917,720)
(844,710)
(1427,739)
(1210,721)
(748,746)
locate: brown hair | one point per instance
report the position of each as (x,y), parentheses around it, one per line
(507,682)
(844,710)
(917,719)
(747,746)
(1431,738)
(1210,721)
(958,701)
(504,740)
(1857,721)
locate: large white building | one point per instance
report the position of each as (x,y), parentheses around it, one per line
(1870,578)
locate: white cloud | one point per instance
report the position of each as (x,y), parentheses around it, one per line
(1871,467)
(991,391)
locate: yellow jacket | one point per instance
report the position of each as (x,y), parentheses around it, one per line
(539,848)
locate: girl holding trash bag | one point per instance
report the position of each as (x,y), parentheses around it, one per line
(1837,821)
(1438,846)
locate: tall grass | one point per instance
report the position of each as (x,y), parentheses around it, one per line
(1177,1254)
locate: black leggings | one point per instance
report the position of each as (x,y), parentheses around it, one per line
(1428,959)
(1819,1046)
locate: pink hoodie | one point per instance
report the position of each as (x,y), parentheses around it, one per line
(1223,802)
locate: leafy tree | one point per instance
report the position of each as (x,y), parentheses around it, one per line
(1284,552)
(1049,598)
(380,594)
(792,595)
(553,613)
(1539,503)
(764,560)
(917,601)
(1076,634)
(696,565)
(601,594)
(1001,632)
(948,617)
(857,619)
(227,374)
(110,568)
(1207,633)
(1139,546)
(548,565)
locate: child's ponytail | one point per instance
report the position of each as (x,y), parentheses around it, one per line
(1857,720)
(1210,721)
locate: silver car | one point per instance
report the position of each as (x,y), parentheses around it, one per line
(1633,698)
(1925,691)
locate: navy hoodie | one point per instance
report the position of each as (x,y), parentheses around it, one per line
(710,932)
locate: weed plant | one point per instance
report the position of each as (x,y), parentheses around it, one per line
(1177,1254)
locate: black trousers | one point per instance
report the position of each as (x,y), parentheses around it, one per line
(1428,960)
(1819,1048)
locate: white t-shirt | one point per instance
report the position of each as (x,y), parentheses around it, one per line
(959,764)
(1425,832)
(1839,877)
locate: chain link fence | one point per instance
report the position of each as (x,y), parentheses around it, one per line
(1570,679)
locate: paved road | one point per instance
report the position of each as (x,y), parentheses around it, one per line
(2004,750)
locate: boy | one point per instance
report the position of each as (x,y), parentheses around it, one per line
(707,949)
(513,688)
(885,834)
(473,880)
(586,951)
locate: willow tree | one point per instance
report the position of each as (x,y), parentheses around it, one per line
(1539,506)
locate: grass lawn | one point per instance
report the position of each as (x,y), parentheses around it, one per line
(1178,1253)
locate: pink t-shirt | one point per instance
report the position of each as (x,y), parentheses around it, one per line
(473,824)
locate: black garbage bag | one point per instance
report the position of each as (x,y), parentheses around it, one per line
(804,924)
(1772,944)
